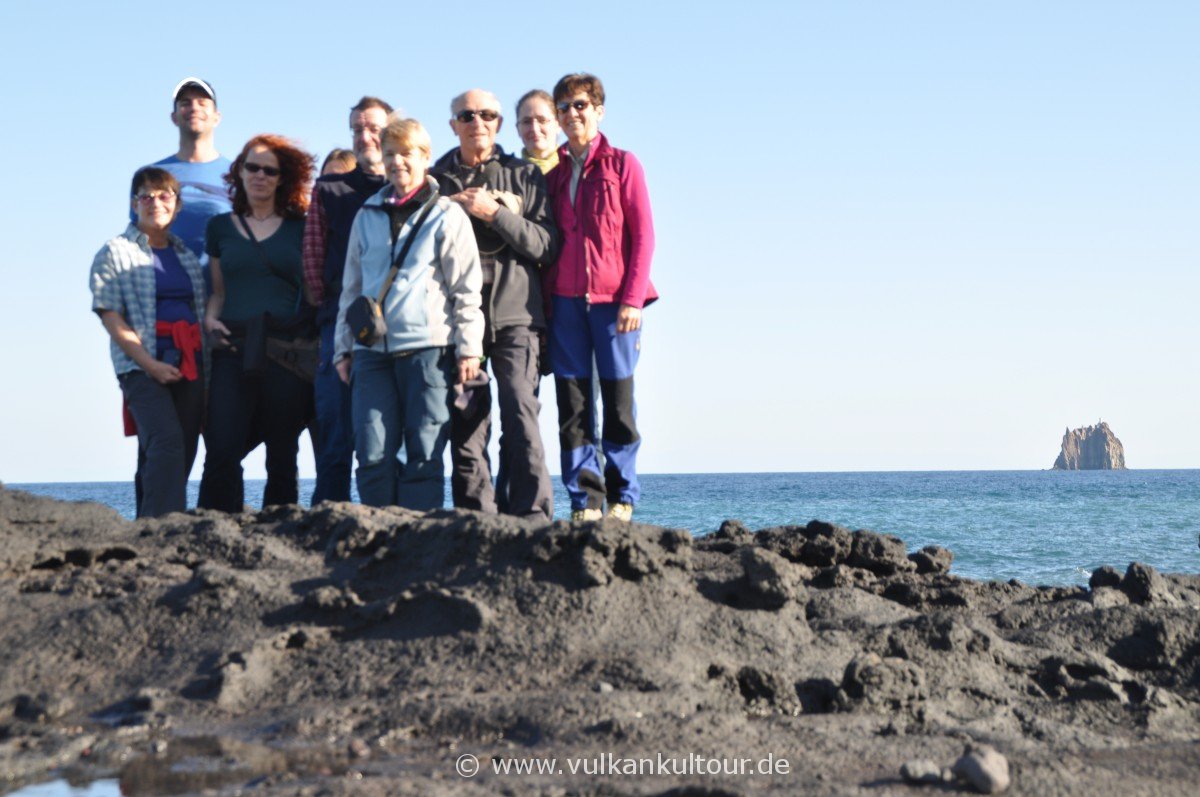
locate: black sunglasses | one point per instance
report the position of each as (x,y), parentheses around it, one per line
(254,168)
(466,117)
(579,105)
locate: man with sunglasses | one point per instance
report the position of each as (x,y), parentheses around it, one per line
(336,200)
(515,232)
(198,167)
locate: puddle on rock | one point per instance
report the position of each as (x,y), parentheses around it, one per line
(211,762)
(62,788)
(192,764)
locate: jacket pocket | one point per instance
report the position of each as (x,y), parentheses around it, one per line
(603,202)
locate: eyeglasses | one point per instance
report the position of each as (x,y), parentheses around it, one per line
(254,168)
(529,121)
(579,105)
(165,197)
(466,117)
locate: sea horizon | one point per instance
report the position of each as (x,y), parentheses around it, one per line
(1038,526)
(556,475)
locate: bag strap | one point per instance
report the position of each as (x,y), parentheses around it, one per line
(262,253)
(391,277)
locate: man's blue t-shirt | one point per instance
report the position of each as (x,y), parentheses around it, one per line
(204,195)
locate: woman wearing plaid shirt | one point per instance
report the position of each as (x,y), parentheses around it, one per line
(148,289)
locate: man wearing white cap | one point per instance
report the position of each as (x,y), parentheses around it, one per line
(200,170)
(197,165)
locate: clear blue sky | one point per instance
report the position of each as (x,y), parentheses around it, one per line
(891,235)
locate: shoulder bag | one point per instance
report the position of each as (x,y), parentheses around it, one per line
(364,316)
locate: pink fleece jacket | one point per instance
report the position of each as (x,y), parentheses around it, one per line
(607,234)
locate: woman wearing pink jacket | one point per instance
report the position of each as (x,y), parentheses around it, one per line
(597,289)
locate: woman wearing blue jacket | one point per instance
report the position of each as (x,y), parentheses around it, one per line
(400,385)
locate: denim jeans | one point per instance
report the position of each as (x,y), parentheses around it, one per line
(401,401)
(333,445)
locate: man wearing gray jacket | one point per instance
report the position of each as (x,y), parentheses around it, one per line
(514,229)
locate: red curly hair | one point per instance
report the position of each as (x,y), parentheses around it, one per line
(295,180)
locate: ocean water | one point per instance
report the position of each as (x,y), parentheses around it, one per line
(1041,527)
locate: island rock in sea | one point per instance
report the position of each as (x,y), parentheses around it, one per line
(1091,448)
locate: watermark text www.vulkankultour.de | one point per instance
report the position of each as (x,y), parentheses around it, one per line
(607,764)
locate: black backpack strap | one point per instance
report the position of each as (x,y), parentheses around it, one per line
(262,253)
(408,242)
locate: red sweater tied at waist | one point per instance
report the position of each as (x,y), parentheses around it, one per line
(186,337)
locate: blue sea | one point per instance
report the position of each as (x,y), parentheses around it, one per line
(1041,527)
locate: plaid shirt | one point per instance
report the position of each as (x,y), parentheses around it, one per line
(312,255)
(123,281)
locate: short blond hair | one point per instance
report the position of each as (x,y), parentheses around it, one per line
(406,135)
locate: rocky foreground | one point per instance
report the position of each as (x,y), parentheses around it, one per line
(350,650)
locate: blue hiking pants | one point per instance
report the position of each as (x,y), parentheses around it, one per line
(580,333)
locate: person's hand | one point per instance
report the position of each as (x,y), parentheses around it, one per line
(629,318)
(163,373)
(343,368)
(478,202)
(468,369)
(217,330)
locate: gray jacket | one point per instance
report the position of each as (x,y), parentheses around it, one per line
(434,300)
(530,238)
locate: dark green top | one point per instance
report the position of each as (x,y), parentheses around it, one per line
(251,286)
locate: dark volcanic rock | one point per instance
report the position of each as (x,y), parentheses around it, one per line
(1091,448)
(887,684)
(883,554)
(770,579)
(1106,576)
(932,559)
(1145,585)
(306,644)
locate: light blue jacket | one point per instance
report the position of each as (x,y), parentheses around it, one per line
(436,297)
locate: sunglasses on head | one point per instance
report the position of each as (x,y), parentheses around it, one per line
(579,105)
(254,168)
(466,117)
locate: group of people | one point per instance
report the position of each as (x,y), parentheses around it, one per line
(235,303)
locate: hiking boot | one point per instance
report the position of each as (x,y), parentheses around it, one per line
(585,514)
(621,511)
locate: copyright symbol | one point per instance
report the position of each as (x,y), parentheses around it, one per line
(467,765)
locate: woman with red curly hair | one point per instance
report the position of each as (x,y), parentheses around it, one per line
(257,302)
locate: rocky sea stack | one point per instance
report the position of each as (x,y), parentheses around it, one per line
(347,650)
(1091,448)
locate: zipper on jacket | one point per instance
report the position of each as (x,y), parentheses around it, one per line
(587,264)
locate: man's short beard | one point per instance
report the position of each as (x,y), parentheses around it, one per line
(373,158)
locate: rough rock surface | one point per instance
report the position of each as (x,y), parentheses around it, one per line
(1091,448)
(350,650)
